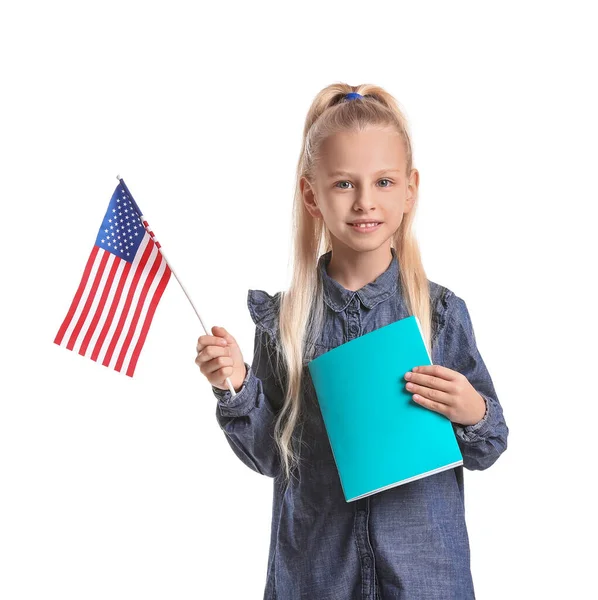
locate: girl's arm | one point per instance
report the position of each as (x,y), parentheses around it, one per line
(482,443)
(248,419)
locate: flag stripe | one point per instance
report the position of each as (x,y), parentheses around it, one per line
(128,278)
(127,305)
(109,319)
(95,298)
(155,255)
(100,307)
(144,309)
(113,284)
(78,294)
(88,301)
(149,230)
(148,320)
(139,306)
(82,298)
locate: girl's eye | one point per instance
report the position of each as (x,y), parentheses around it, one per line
(342,182)
(345,188)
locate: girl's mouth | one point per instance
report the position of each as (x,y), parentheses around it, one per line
(365,227)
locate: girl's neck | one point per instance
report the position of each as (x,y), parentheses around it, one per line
(353,269)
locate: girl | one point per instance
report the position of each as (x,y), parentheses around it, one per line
(356,195)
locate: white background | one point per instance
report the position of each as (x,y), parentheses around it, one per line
(121,488)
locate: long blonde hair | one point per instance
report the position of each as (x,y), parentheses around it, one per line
(301,306)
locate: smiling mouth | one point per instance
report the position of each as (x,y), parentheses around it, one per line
(371,225)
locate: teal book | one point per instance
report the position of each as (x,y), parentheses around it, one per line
(379,436)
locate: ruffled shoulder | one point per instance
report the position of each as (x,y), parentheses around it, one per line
(264,310)
(440,299)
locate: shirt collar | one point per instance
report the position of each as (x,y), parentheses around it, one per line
(337,297)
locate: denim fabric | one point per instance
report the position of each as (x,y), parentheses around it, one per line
(409,542)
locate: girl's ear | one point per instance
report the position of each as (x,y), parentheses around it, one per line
(309,199)
(412,185)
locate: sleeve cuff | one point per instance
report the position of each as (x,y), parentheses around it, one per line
(234,406)
(477,431)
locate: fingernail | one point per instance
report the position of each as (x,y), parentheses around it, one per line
(408,375)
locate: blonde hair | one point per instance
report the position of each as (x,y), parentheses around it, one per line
(302,306)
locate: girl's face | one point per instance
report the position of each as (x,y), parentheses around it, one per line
(361,176)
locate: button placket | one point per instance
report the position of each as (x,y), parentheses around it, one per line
(368,583)
(353,320)
(362,506)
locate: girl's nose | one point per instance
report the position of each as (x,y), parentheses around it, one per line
(364,201)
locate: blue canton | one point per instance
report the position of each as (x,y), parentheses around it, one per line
(122,230)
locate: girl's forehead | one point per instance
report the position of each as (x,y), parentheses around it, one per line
(371,149)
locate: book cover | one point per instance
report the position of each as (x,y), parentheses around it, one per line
(380,437)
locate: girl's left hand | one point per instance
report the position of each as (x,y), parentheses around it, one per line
(446,391)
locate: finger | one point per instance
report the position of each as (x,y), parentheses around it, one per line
(438,407)
(222,332)
(210,353)
(433,394)
(438,371)
(209,340)
(431,381)
(221,362)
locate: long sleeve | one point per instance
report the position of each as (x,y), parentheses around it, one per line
(248,419)
(483,442)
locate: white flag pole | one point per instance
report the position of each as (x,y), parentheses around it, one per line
(147,228)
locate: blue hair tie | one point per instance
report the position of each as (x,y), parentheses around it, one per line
(353,96)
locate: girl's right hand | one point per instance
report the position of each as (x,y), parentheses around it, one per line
(219,357)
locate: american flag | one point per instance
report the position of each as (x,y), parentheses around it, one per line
(123,281)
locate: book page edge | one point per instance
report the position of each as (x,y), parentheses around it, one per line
(403,481)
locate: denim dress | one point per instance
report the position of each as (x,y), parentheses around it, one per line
(409,542)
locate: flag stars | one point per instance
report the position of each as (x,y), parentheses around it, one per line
(122,228)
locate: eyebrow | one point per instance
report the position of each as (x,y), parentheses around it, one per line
(341,172)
